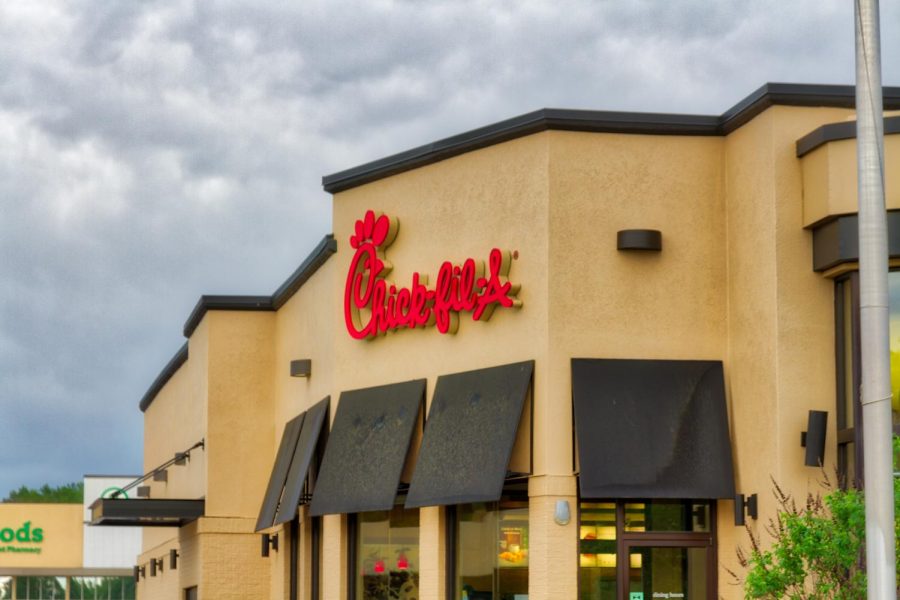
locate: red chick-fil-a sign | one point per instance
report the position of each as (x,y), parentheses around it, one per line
(373,305)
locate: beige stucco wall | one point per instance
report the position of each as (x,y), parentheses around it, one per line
(61,528)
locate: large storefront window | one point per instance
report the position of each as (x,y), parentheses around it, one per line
(649,549)
(387,554)
(491,551)
(849,410)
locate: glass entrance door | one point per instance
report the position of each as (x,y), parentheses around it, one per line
(668,569)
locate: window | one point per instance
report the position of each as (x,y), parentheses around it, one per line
(646,549)
(384,560)
(848,369)
(6,588)
(102,588)
(490,550)
(40,588)
(190,593)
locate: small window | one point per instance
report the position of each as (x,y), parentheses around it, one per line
(190,593)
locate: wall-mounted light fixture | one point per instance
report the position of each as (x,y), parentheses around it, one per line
(181,458)
(749,504)
(301,367)
(639,239)
(138,573)
(269,541)
(143,491)
(173,559)
(162,475)
(561,513)
(156,564)
(813,439)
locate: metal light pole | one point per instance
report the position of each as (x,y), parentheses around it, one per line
(874,308)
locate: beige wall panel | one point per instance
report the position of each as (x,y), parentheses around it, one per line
(829,179)
(240,411)
(334,557)
(780,316)
(167,582)
(304,328)
(432,552)
(610,304)
(190,565)
(61,535)
(175,421)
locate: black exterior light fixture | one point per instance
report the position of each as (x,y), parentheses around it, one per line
(301,367)
(740,504)
(173,559)
(813,439)
(181,458)
(156,564)
(138,572)
(269,541)
(639,239)
(161,475)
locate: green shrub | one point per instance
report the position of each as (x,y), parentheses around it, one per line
(817,548)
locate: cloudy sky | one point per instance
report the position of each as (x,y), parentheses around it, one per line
(154,151)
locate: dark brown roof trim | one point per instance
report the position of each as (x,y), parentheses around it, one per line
(316,259)
(770,94)
(164,376)
(832,132)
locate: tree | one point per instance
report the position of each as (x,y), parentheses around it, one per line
(69,493)
(817,548)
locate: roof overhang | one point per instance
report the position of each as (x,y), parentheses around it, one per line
(146,512)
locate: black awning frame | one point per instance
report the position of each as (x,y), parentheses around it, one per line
(146,512)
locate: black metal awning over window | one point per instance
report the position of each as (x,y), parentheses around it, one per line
(145,512)
(469,436)
(279,472)
(652,429)
(304,452)
(367,448)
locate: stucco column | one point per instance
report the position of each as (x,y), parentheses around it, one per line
(432,551)
(553,551)
(334,557)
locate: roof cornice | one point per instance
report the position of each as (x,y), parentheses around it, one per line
(770,94)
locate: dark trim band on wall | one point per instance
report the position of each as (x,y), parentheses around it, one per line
(833,132)
(836,242)
(770,94)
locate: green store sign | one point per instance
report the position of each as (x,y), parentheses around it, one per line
(14,539)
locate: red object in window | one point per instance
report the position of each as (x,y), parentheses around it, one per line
(379,566)
(402,562)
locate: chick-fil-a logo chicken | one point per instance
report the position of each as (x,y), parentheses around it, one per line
(372,305)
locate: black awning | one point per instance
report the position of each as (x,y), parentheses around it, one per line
(366,448)
(145,512)
(303,456)
(652,429)
(279,472)
(469,436)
